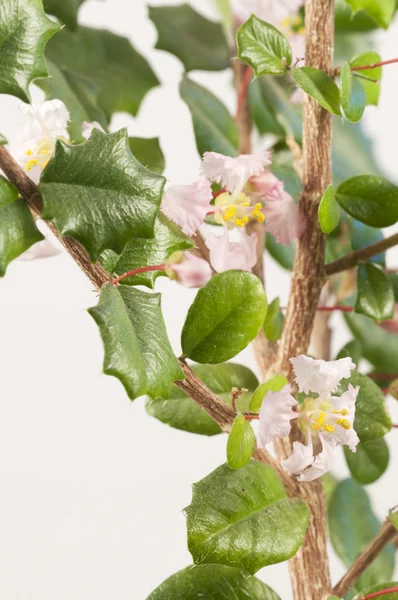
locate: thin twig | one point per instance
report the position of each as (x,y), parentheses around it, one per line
(380,593)
(375,65)
(354,258)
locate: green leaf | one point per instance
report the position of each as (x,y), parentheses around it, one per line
(328,211)
(122,76)
(363,235)
(148,152)
(240,445)
(215,129)
(393,516)
(371,418)
(352,349)
(224,318)
(24,31)
(319,86)
(3,140)
(329,483)
(375,294)
(369,199)
(372,88)
(212,582)
(79,95)
(379,588)
(276,383)
(137,349)
(353,97)
(380,347)
(352,526)
(167,239)
(369,462)
(263,117)
(18,231)
(198,43)
(65,10)
(263,47)
(381,12)
(99,194)
(347,20)
(243,518)
(274,320)
(181,412)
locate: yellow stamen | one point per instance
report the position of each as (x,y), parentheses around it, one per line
(344,424)
(316,426)
(260,217)
(229,213)
(241,222)
(43,152)
(328,428)
(301,31)
(30,164)
(245,204)
(344,412)
(29,152)
(296,20)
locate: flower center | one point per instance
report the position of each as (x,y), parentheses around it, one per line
(317,415)
(237,210)
(41,154)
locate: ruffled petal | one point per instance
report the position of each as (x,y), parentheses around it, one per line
(320,376)
(192,271)
(275,415)
(87,128)
(233,173)
(283,217)
(226,254)
(301,457)
(322,463)
(187,205)
(266,184)
(344,435)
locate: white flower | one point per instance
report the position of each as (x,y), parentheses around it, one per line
(326,417)
(47,248)
(187,205)
(42,125)
(283,217)
(234,172)
(189,270)
(226,254)
(87,128)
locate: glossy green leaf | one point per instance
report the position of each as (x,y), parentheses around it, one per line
(382,11)
(328,211)
(198,43)
(122,76)
(148,152)
(18,231)
(372,88)
(241,442)
(224,318)
(168,238)
(352,526)
(375,297)
(380,347)
(79,95)
(362,235)
(378,588)
(263,47)
(212,582)
(352,349)
(369,199)
(276,383)
(99,194)
(181,412)
(393,516)
(65,10)
(243,518)
(369,462)
(353,97)
(274,320)
(319,86)
(24,31)
(137,349)
(372,420)
(348,21)
(215,129)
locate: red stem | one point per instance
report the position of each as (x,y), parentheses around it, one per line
(383,375)
(251,417)
(243,90)
(394,426)
(219,192)
(332,308)
(381,593)
(140,270)
(375,65)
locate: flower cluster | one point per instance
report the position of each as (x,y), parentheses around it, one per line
(320,417)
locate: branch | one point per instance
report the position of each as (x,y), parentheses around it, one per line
(352,260)
(386,535)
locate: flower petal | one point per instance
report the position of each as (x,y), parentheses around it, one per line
(192,271)
(266,184)
(340,435)
(187,205)
(283,217)
(275,415)
(87,128)
(301,457)
(320,376)
(226,254)
(233,173)
(322,463)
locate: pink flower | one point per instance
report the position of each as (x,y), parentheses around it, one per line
(283,217)
(266,184)
(234,172)
(226,255)
(87,128)
(190,270)
(187,205)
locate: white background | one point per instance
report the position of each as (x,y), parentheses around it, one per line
(92,489)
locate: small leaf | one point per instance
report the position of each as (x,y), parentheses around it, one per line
(148,152)
(137,349)
(369,462)
(369,199)
(379,346)
(381,11)
(244,518)
(393,515)
(212,582)
(352,526)
(363,235)
(168,238)
(274,320)
(372,88)
(276,383)
(99,194)
(353,97)
(181,412)
(379,588)
(224,318)
(263,47)
(65,10)
(375,294)
(215,129)
(18,231)
(328,211)
(263,117)
(240,445)
(199,43)
(352,349)
(3,140)
(319,86)
(24,31)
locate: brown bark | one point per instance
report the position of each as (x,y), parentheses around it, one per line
(352,260)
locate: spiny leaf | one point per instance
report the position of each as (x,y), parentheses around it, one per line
(65,10)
